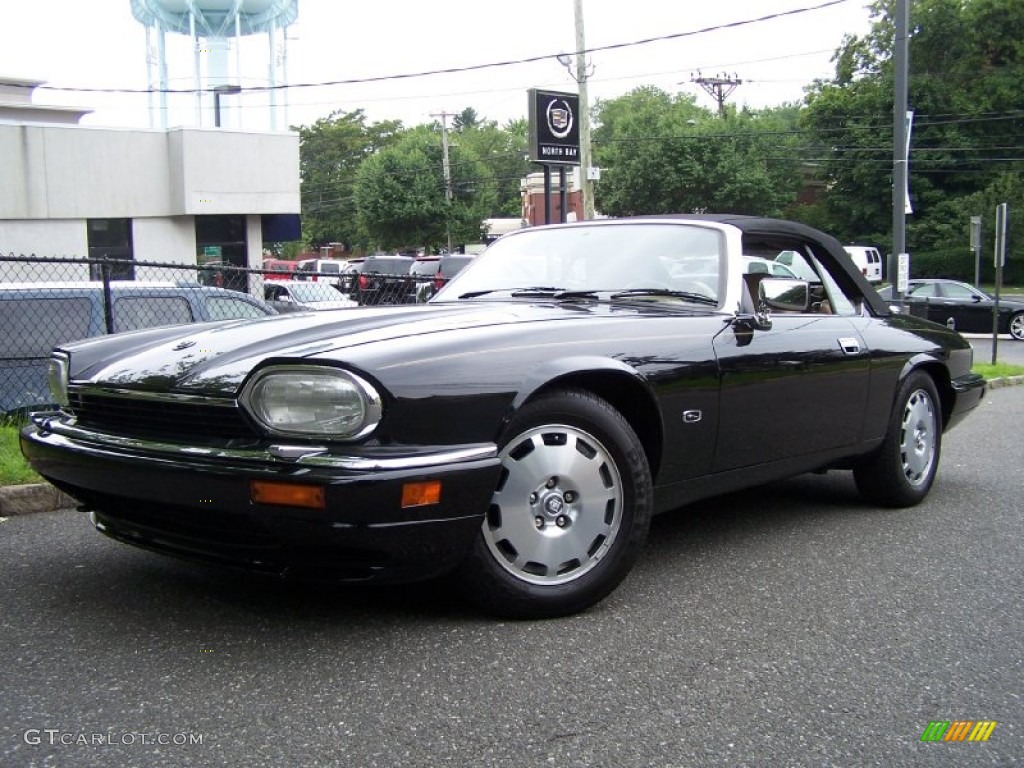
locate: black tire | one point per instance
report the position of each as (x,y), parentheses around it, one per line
(1016,326)
(901,472)
(570,514)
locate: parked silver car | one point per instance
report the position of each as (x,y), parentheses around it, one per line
(296,295)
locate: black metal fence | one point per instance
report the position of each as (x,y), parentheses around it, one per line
(45,302)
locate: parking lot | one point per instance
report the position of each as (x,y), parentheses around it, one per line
(791,625)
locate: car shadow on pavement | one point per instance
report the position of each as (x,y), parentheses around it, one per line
(119,584)
(802,502)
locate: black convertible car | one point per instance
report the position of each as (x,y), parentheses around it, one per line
(961,306)
(519,430)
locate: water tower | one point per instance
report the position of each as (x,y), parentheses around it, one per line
(212,25)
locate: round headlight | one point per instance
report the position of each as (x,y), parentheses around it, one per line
(313,402)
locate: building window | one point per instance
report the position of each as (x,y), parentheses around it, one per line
(221,242)
(111,239)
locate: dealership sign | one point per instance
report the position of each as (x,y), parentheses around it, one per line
(554,127)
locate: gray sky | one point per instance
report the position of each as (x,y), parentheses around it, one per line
(98,44)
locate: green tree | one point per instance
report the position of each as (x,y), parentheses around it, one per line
(400,193)
(467,118)
(966,65)
(943,236)
(663,154)
(330,152)
(503,150)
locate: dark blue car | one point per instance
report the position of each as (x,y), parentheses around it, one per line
(36,317)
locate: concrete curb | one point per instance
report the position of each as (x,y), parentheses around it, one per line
(43,497)
(35,497)
(1007,381)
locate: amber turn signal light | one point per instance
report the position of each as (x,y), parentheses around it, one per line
(421,494)
(287,494)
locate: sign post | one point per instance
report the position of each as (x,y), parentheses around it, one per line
(554,137)
(1002,214)
(902,273)
(976,247)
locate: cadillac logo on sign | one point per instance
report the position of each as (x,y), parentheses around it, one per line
(554,128)
(560,120)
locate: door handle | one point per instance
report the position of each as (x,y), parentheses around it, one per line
(849,345)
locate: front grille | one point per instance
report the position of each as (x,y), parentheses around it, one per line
(208,421)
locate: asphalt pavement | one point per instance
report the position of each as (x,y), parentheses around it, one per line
(790,625)
(1007,349)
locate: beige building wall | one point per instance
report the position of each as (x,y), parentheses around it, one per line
(59,176)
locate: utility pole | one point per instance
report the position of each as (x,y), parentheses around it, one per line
(586,183)
(447,170)
(719,88)
(899,147)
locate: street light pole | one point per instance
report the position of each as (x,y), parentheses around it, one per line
(218,90)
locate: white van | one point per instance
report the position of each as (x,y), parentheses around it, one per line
(868,260)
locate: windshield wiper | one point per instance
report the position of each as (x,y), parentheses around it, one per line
(563,294)
(553,293)
(699,298)
(537,291)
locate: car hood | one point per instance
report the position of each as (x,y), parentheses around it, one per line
(214,359)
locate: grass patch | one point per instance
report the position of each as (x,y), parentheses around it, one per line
(14,470)
(999,370)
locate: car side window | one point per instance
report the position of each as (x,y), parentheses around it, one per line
(31,328)
(227,308)
(838,302)
(827,296)
(797,263)
(956,291)
(922,291)
(134,312)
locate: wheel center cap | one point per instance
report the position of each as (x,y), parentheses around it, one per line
(554,504)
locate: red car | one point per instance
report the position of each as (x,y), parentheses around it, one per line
(278,269)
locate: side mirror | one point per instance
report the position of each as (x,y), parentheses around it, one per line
(783,294)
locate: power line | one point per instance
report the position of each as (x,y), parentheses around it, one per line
(470,67)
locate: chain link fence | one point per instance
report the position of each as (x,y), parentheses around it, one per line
(45,302)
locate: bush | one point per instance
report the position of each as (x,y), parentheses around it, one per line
(955,264)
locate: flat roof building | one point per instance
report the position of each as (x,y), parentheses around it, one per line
(179,195)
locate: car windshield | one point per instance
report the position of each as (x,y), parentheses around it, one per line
(310,293)
(655,260)
(422,267)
